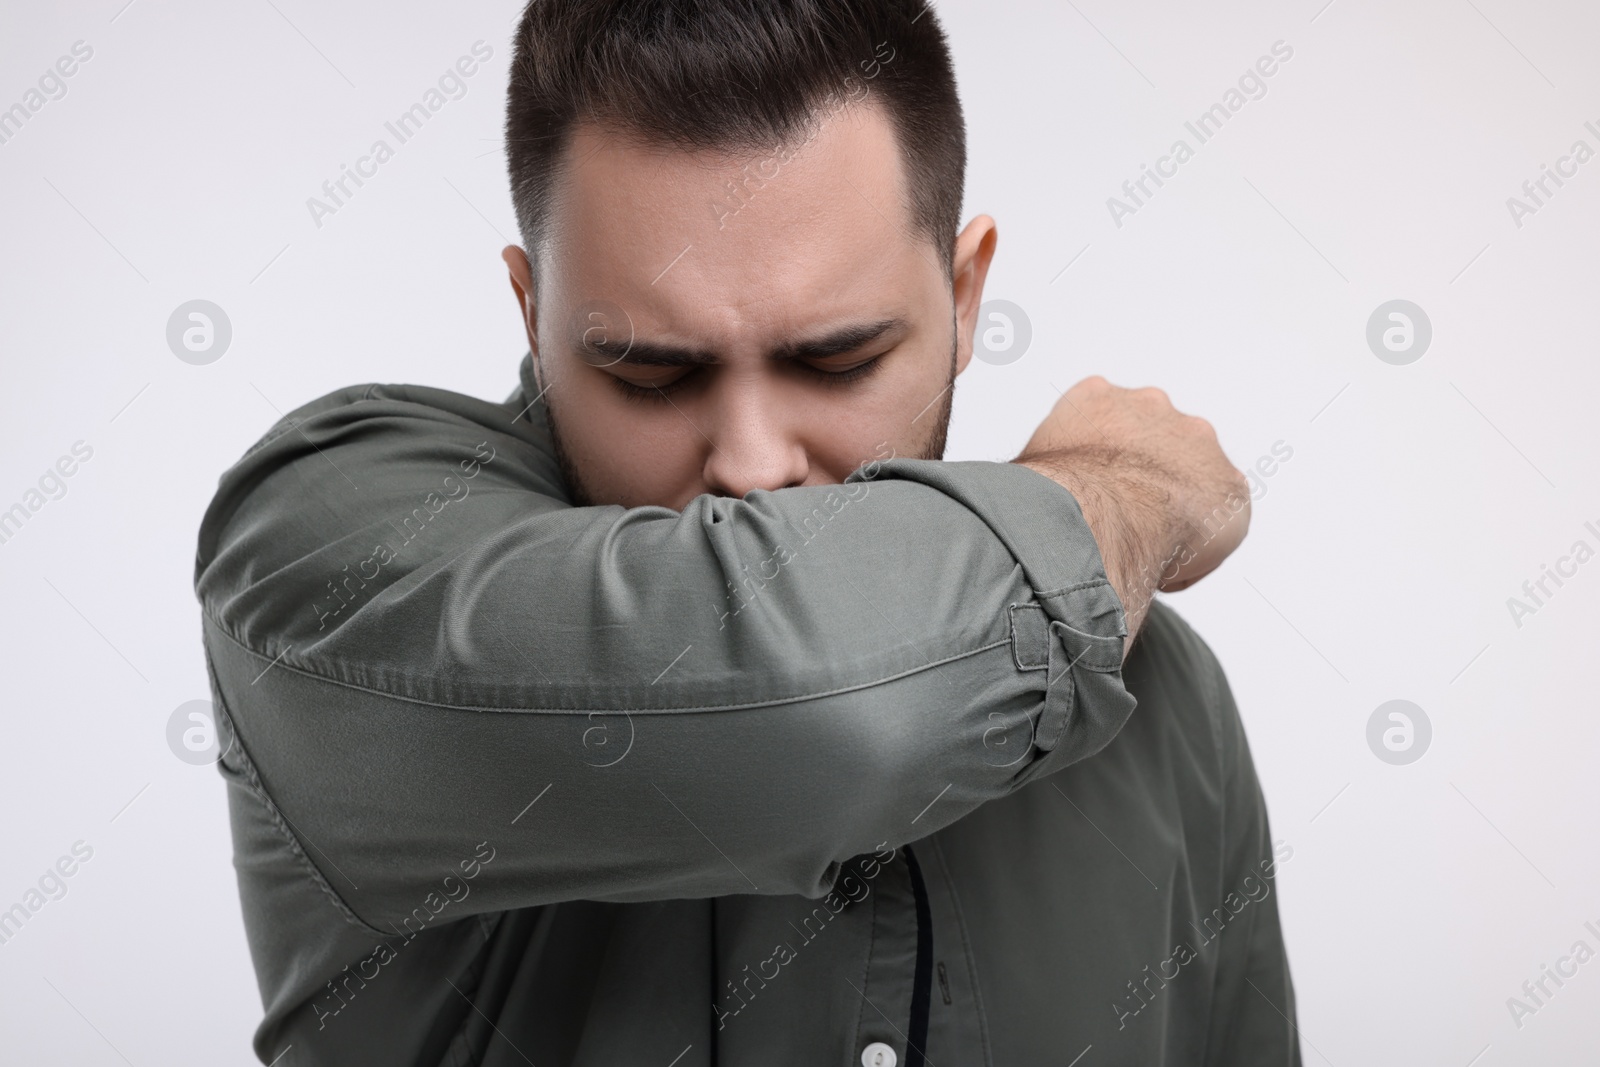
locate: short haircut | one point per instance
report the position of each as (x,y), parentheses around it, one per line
(734,76)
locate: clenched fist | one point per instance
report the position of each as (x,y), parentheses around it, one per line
(1165,505)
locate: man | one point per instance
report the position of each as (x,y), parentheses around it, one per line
(685,708)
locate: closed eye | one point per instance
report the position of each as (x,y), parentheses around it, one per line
(647,393)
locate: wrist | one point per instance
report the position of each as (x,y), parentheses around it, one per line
(1127,509)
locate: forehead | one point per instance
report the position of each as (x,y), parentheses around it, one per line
(737,246)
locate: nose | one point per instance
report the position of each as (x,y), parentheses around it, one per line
(751,441)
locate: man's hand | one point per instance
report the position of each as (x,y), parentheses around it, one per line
(1165,505)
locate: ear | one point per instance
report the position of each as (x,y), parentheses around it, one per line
(970,267)
(522,285)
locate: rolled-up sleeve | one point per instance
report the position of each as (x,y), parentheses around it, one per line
(416,644)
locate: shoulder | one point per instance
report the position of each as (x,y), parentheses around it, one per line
(1169,651)
(1179,681)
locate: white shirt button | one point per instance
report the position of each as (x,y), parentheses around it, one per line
(878,1054)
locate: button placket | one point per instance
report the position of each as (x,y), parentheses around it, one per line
(887,989)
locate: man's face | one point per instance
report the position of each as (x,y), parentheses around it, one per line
(691,337)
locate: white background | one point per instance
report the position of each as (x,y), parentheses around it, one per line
(1418,498)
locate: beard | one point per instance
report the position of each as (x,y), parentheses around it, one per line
(932,446)
(577,492)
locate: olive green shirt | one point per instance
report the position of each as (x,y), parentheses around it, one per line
(827,775)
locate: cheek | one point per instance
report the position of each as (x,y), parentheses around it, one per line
(627,453)
(896,417)
(912,398)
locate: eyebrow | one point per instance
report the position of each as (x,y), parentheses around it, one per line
(835,343)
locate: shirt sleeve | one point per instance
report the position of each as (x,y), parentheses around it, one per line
(420,650)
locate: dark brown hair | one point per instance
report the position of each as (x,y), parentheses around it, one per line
(733,75)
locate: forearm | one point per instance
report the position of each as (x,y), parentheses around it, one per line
(1164,503)
(1126,508)
(780,682)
